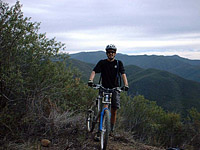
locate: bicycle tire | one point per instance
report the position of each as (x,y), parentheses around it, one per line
(91,119)
(105,130)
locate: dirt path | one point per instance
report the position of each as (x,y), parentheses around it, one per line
(79,139)
(119,142)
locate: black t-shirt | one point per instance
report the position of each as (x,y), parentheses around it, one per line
(109,71)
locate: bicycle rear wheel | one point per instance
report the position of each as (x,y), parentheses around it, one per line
(105,130)
(91,118)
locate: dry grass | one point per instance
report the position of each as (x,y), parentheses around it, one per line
(67,131)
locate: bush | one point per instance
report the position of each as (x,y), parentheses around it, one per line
(34,77)
(150,123)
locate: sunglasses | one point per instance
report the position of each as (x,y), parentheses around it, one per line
(108,52)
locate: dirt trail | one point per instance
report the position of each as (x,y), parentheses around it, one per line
(79,139)
(118,142)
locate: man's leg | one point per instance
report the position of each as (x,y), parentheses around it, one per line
(113,118)
(114,107)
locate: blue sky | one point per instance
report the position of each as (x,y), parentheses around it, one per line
(136,27)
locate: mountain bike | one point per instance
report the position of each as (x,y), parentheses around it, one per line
(99,112)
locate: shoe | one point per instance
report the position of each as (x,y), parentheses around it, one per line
(97,137)
(111,130)
(111,134)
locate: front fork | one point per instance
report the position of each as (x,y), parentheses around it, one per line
(101,118)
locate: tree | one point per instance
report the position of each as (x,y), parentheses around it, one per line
(33,75)
(22,50)
(192,129)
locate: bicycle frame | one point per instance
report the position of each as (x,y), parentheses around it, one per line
(100,111)
(104,99)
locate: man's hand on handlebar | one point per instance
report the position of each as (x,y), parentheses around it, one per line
(125,88)
(90,83)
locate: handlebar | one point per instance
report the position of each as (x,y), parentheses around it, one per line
(99,86)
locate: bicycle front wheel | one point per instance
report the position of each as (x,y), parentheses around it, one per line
(105,129)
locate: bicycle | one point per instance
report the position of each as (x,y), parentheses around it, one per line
(99,111)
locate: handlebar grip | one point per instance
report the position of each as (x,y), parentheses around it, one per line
(125,88)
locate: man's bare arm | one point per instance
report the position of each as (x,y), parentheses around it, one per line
(125,79)
(92,76)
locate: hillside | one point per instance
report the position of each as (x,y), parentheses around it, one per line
(170,91)
(85,69)
(188,69)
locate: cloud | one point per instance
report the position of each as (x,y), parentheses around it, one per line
(130,24)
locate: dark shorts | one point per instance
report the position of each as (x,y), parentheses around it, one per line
(115,100)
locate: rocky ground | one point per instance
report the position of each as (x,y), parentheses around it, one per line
(75,137)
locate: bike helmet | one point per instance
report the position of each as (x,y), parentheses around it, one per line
(111,47)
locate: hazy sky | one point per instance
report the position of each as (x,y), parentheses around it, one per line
(161,27)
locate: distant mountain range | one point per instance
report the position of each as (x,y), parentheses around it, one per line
(186,68)
(172,92)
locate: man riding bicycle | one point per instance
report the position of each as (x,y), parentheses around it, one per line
(111,70)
